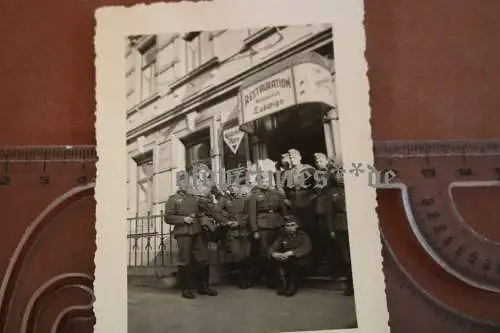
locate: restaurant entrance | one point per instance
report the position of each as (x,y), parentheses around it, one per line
(299,127)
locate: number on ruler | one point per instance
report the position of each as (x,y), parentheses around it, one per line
(44,180)
(447,242)
(460,250)
(4,180)
(428,201)
(465,172)
(429,172)
(487,264)
(473,258)
(433,216)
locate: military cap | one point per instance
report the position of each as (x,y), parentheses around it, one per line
(319,155)
(293,152)
(290,218)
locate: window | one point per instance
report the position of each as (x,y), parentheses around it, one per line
(168,68)
(199,49)
(145,197)
(198,149)
(148,68)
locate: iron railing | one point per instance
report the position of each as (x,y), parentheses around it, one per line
(151,244)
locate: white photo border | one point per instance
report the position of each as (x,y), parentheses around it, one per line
(114,23)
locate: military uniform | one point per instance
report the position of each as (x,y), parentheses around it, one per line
(299,189)
(266,209)
(192,246)
(342,231)
(238,238)
(299,245)
(324,210)
(211,225)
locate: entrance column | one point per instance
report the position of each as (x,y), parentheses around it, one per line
(215,149)
(332,135)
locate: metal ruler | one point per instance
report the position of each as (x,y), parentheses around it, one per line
(447,250)
(440,269)
(47,242)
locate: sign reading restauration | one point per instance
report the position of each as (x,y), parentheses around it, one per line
(268,96)
(303,82)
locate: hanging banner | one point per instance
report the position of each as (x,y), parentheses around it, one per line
(314,84)
(232,137)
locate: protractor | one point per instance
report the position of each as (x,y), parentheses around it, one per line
(46,257)
(449,244)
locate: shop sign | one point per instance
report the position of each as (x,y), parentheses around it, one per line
(314,84)
(268,96)
(232,137)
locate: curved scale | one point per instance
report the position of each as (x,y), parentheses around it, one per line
(418,287)
(435,301)
(454,208)
(54,285)
(427,246)
(72,310)
(28,239)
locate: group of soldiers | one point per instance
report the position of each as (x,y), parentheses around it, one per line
(273,230)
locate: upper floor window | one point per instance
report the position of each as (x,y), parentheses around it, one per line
(148,53)
(198,149)
(199,49)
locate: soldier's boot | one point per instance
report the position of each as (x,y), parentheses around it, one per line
(242,275)
(249,273)
(283,283)
(185,282)
(204,278)
(269,274)
(291,278)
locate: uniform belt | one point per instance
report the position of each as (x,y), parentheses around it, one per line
(270,211)
(300,190)
(193,215)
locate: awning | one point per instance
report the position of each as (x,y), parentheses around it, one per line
(304,78)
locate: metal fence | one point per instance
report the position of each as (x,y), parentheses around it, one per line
(151,244)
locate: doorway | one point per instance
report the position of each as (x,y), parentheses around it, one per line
(300,127)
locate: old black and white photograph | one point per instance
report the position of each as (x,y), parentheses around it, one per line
(236,205)
(232,185)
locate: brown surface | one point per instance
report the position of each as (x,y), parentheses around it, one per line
(433,64)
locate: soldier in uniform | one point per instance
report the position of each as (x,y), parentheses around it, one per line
(234,211)
(290,255)
(266,209)
(326,184)
(284,172)
(341,231)
(184,212)
(301,193)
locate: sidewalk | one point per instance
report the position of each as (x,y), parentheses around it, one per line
(256,310)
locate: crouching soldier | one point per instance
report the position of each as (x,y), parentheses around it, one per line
(183,211)
(290,254)
(238,241)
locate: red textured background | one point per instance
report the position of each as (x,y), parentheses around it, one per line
(434,73)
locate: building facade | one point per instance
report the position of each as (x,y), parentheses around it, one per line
(217,97)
